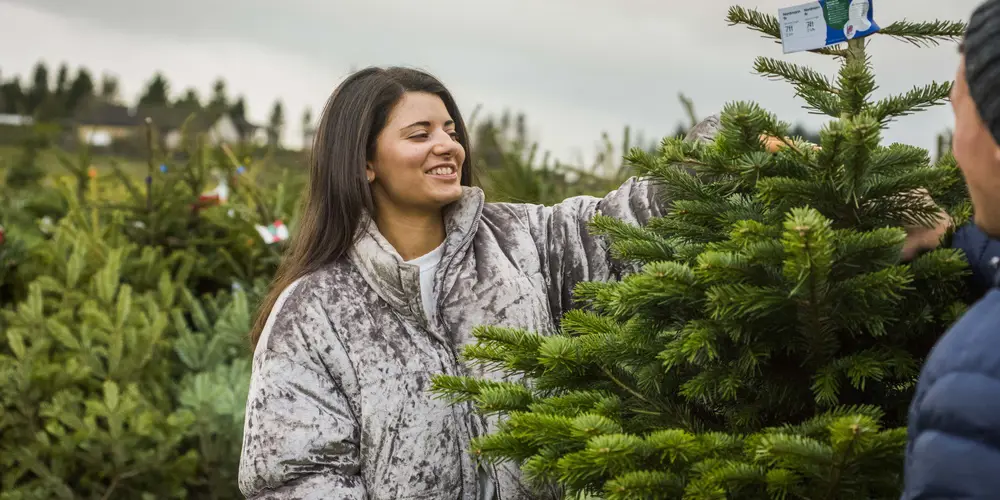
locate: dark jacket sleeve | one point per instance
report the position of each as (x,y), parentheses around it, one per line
(953,448)
(983,254)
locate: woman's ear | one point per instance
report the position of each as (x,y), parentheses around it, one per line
(370,172)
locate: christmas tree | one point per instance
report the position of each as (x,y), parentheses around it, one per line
(124,363)
(110,386)
(25,172)
(768,344)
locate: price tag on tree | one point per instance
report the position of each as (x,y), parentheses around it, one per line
(822,23)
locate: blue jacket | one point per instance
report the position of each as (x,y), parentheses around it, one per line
(953,448)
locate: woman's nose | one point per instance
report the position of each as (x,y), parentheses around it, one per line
(446,145)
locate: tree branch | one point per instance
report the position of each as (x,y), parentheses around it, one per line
(925,34)
(762,23)
(800,76)
(916,100)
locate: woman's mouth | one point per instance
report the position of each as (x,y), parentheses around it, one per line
(444,171)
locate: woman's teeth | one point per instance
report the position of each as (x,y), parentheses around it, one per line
(442,171)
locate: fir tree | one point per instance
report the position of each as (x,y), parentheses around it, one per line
(219,101)
(111,391)
(123,359)
(768,343)
(307,119)
(276,124)
(14,101)
(189,101)
(81,90)
(157,92)
(40,90)
(3,94)
(26,171)
(110,88)
(62,80)
(238,111)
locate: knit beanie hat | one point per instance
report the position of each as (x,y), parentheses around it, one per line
(982,63)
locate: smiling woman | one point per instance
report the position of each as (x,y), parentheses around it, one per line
(396,259)
(415,172)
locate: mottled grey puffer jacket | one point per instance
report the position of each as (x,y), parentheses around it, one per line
(339,405)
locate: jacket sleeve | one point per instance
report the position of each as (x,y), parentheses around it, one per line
(301,439)
(983,254)
(954,449)
(569,253)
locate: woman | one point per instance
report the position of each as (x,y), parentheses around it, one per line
(397,258)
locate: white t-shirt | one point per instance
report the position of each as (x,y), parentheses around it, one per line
(428,264)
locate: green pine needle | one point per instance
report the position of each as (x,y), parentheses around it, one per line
(925,34)
(459,389)
(823,103)
(505,398)
(856,82)
(763,23)
(581,322)
(645,485)
(916,100)
(620,230)
(799,76)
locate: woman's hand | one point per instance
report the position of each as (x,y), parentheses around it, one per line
(918,238)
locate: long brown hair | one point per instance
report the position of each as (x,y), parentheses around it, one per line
(338,195)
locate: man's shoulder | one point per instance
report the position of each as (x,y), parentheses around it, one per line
(972,345)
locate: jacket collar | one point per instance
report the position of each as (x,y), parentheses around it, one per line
(397,282)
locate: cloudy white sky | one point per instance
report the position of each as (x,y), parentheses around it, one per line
(575,67)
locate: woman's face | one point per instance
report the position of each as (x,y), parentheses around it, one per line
(418,160)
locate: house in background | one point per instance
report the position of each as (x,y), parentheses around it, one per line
(100,123)
(16,120)
(249,132)
(215,127)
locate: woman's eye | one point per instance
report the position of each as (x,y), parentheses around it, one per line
(425,135)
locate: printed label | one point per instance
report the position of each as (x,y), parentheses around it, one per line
(822,23)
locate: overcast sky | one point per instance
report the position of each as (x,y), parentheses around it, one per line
(575,67)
